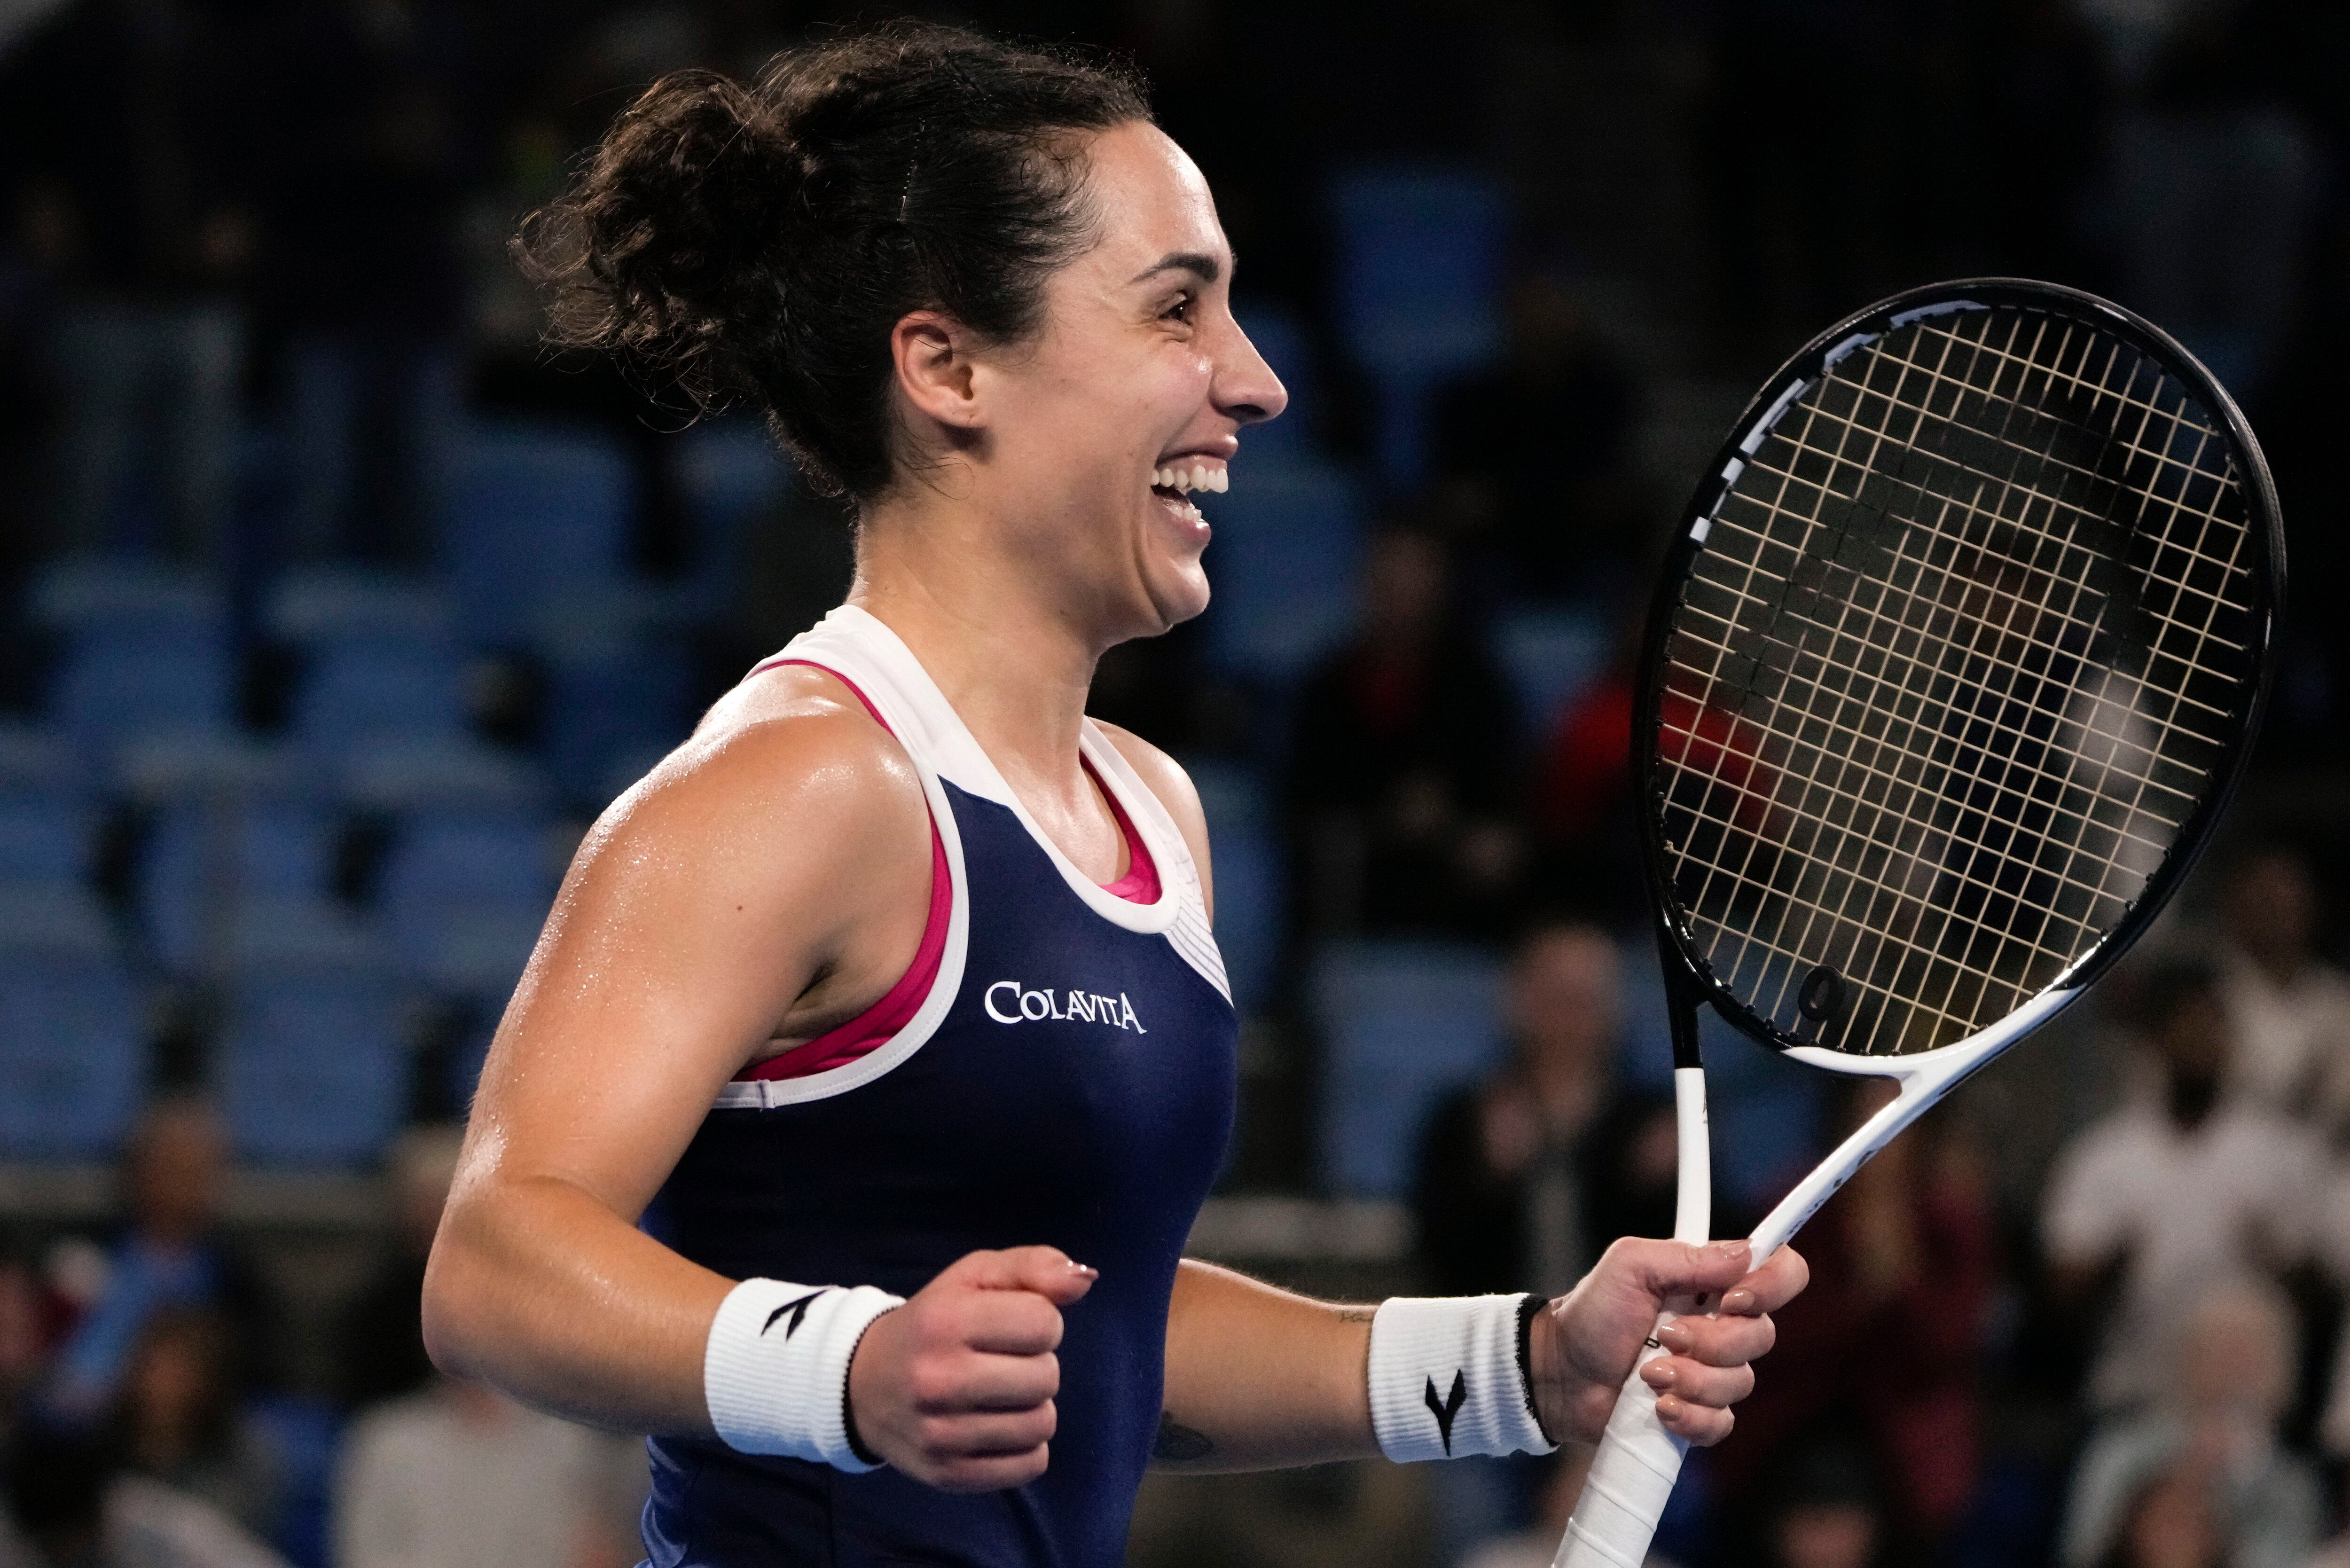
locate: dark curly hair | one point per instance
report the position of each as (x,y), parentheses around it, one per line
(758,242)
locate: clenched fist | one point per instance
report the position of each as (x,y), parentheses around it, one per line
(955,1388)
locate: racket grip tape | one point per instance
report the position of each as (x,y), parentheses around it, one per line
(1632,1479)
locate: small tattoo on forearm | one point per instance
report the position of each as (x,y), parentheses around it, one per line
(1358,1313)
(1180,1445)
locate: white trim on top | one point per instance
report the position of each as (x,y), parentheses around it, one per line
(846,656)
(958,756)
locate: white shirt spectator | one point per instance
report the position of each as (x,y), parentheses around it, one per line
(2239,1193)
(458,1477)
(2292,1039)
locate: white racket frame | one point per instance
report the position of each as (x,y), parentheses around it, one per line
(1632,1476)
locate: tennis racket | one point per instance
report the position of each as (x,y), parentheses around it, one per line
(1957,658)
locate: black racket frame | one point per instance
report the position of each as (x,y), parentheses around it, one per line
(1688,980)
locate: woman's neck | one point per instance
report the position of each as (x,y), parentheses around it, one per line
(1015,665)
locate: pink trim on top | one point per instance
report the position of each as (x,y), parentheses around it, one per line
(1140,883)
(878,1024)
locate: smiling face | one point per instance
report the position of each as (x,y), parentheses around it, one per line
(1085,447)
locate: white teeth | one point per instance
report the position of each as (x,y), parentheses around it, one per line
(1216,480)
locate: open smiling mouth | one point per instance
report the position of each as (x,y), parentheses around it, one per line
(1175,481)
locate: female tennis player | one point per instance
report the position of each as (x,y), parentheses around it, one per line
(847,1126)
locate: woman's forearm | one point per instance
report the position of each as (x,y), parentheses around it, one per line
(1259,1379)
(540,1289)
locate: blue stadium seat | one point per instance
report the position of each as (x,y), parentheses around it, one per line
(1249,878)
(270,932)
(45,834)
(609,698)
(120,681)
(73,1062)
(474,951)
(368,690)
(1288,537)
(174,764)
(1551,658)
(60,918)
(38,757)
(102,596)
(1403,1023)
(312,1067)
(319,605)
(1420,257)
(206,857)
(439,860)
(533,511)
(453,773)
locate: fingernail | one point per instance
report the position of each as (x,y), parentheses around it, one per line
(1085,1269)
(1668,1407)
(1738,1301)
(1674,1337)
(1659,1374)
(1726,1248)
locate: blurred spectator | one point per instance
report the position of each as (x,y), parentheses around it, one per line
(1585,833)
(361,263)
(2289,1008)
(172,1254)
(382,1338)
(457,1476)
(1403,763)
(1524,1179)
(2214,182)
(1546,437)
(2213,1431)
(124,152)
(24,1331)
(2162,1201)
(176,1421)
(69,1506)
(1825,1512)
(2171,1522)
(1904,1261)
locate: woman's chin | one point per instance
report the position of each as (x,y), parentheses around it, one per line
(1178,592)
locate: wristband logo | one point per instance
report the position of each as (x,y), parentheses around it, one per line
(1444,1409)
(1007,1002)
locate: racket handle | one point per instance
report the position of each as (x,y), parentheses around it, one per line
(1632,1479)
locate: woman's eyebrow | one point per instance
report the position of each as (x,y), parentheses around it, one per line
(1207,268)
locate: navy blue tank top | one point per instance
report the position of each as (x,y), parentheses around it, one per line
(1068,1080)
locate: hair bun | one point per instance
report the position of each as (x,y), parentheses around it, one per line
(693,186)
(760,241)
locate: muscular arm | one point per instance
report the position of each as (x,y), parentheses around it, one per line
(767,881)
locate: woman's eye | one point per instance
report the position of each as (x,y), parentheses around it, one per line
(1184,308)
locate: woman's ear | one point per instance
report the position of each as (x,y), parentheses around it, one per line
(935,368)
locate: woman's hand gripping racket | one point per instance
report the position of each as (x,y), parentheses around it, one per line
(1956,661)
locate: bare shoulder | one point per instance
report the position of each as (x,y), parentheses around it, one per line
(790,759)
(1167,780)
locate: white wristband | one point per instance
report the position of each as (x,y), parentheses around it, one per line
(1448,1379)
(776,1371)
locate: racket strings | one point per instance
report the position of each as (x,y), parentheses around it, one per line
(1953,759)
